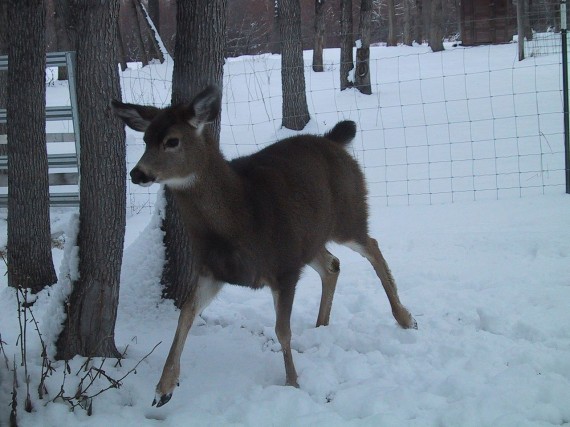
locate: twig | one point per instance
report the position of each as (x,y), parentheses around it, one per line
(128,373)
(4,352)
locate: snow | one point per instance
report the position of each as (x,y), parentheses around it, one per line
(487,280)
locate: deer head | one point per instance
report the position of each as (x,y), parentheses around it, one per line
(177,146)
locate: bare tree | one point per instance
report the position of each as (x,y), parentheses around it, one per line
(275,33)
(435,25)
(3,74)
(154,13)
(346,43)
(419,21)
(198,61)
(523,25)
(64,34)
(319,35)
(30,263)
(391,23)
(409,7)
(362,74)
(92,306)
(295,109)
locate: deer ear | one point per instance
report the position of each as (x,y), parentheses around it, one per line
(205,107)
(137,117)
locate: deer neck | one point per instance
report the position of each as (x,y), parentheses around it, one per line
(215,201)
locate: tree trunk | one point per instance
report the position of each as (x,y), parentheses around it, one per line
(319,36)
(520,27)
(346,42)
(435,26)
(30,263)
(154,13)
(408,36)
(92,305)
(526,19)
(137,34)
(419,21)
(362,75)
(199,60)
(275,34)
(3,74)
(295,110)
(61,34)
(391,23)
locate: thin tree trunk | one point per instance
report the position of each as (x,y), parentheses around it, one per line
(137,33)
(3,74)
(391,23)
(154,13)
(92,305)
(435,26)
(275,33)
(526,18)
(346,43)
(459,20)
(295,109)
(520,27)
(62,38)
(419,22)
(408,37)
(198,61)
(362,75)
(30,263)
(319,36)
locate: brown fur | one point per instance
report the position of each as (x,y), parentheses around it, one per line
(257,220)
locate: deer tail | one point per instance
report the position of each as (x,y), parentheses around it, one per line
(342,133)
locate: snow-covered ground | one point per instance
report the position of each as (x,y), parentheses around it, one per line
(487,280)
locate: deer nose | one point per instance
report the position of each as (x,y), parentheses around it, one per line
(141,178)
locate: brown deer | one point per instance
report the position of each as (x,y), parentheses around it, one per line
(257,220)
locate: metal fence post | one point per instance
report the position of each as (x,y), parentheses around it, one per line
(563,31)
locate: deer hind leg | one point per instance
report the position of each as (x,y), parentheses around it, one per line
(283,300)
(328,267)
(370,250)
(206,289)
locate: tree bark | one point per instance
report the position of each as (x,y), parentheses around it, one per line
(295,109)
(137,33)
(419,21)
(362,75)
(319,36)
(346,43)
(275,34)
(520,27)
(3,74)
(92,305)
(392,23)
(198,62)
(435,26)
(408,23)
(61,34)
(154,13)
(30,263)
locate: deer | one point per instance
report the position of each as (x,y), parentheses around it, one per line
(256,221)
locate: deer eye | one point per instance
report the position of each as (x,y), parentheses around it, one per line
(171,143)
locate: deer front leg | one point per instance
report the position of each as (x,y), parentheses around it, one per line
(206,289)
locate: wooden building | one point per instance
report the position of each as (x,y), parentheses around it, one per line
(487,21)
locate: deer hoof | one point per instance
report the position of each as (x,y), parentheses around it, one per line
(414,324)
(293,383)
(162,400)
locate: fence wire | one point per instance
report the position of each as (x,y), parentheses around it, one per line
(469,123)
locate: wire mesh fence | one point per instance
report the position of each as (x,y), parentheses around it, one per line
(469,123)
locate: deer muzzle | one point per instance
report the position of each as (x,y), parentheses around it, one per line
(139,177)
